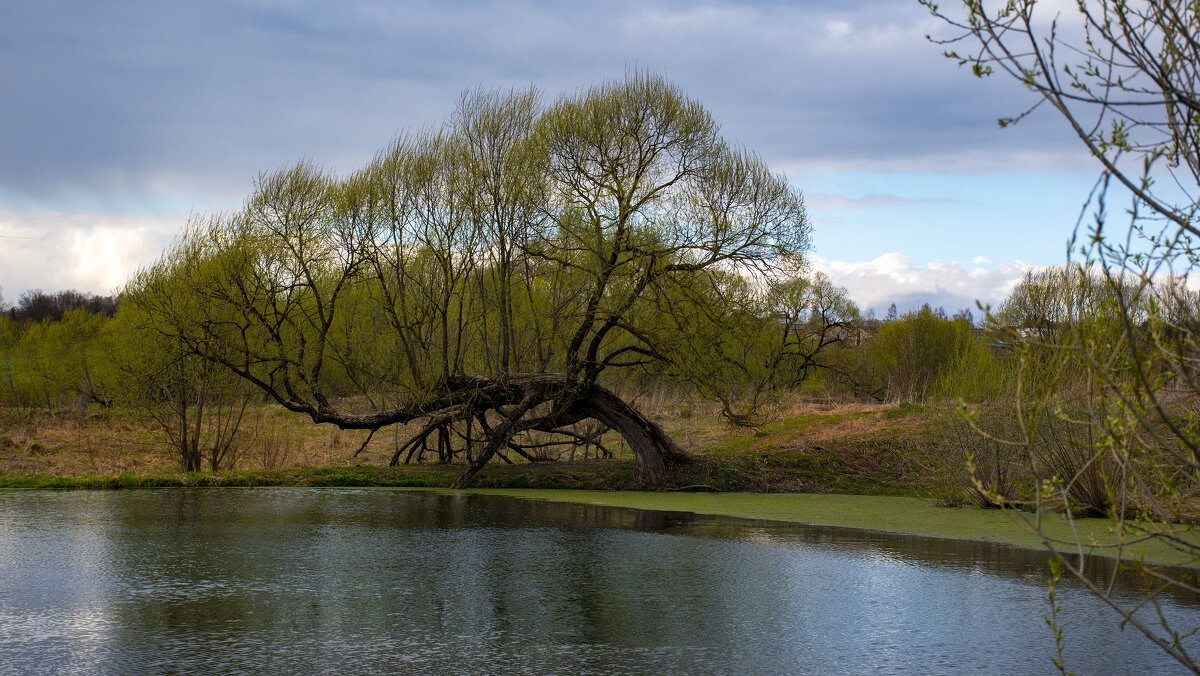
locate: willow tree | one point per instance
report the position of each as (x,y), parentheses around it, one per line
(487,276)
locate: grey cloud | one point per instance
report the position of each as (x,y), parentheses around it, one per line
(200,96)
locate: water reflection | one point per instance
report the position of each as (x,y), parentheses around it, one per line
(386,581)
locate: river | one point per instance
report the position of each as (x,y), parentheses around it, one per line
(384,581)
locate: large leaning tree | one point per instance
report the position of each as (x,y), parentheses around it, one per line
(489,277)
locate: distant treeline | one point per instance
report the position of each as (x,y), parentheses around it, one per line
(36,305)
(66,349)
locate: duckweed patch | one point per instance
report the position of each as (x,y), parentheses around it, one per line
(893,514)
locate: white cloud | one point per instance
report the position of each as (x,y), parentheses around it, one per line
(91,252)
(838,30)
(894,278)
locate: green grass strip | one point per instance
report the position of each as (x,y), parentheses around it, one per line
(914,516)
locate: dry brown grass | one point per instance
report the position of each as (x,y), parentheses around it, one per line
(47,443)
(38,442)
(272,439)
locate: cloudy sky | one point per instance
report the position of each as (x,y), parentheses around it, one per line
(118,119)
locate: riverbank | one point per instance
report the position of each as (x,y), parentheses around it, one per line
(884,468)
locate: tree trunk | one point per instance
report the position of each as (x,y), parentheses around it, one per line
(655,451)
(499,438)
(516,397)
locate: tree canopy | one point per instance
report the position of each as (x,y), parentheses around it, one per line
(489,275)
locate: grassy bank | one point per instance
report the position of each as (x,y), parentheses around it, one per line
(594,475)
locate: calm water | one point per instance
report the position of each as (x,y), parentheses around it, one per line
(340,581)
